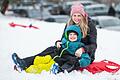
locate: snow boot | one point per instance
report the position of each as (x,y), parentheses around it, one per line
(55,68)
(18,62)
(67,67)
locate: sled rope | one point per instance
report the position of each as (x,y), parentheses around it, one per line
(62,51)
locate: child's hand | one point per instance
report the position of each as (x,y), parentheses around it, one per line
(58,44)
(79,52)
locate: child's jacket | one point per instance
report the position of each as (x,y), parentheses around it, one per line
(71,47)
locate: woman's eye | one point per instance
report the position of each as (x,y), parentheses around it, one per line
(79,15)
(74,15)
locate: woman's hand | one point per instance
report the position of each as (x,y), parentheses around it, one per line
(58,44)
(79,52)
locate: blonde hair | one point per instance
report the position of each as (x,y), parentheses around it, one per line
(83,25)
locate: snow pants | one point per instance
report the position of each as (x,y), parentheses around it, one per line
(52,51)
(84,61)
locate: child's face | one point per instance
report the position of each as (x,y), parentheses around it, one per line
(72,36)
(76,17)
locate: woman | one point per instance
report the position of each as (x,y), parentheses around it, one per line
(77,17)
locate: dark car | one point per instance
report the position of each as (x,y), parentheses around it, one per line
(31,13)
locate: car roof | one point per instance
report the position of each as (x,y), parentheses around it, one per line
(96,5)
(103,17)
(82,2)
(117,7)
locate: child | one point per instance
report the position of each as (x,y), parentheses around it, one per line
(67,59)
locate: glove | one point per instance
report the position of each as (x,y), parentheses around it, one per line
(79,52)
(58,44)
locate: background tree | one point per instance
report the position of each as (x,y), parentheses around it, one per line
(4,6)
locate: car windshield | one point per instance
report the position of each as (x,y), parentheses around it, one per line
(34,13)
(38,14)
(110,22)
(117,8)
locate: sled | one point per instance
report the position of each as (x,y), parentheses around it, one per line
(95,67)
(12,24)
(104,65)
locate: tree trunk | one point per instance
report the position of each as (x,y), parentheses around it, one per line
(4,6)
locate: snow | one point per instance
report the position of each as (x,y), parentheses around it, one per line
(28,41)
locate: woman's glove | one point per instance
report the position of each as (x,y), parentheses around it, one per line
(79,52)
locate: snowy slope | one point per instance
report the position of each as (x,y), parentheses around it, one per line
(27,42)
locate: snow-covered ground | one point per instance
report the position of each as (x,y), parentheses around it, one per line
(28,41)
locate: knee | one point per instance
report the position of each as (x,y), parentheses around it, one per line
(85,60)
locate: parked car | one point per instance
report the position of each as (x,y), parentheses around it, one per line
(41,15)
(117,8)
(58,18)
(107,22)
(97,9)
(31,13)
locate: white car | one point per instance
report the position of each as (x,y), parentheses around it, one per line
(97,9)
(117,8)
(57,18)
(107,22)
(84,3)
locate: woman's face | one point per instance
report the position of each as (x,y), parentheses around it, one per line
(76,17)
(72,36)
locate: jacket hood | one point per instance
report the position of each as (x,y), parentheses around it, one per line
(74,28)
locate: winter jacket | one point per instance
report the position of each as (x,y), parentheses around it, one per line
(71,47)
(90,41)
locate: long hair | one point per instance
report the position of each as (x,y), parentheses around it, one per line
(83,25)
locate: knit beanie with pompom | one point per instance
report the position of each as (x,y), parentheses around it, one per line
(78,8)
